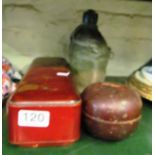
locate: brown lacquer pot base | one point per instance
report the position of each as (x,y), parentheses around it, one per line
(112,130)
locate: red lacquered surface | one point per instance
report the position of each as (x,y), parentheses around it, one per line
(46,88)
(64,127)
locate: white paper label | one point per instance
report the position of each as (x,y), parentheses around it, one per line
(33,118)
(63,73)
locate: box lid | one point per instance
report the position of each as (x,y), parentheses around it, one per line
(46,82)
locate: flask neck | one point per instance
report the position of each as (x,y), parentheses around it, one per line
(90,18)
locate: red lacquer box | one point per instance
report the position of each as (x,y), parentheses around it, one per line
(45,110)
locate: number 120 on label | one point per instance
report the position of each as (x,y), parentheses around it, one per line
(33,118)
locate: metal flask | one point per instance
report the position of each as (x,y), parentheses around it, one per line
(89,52)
